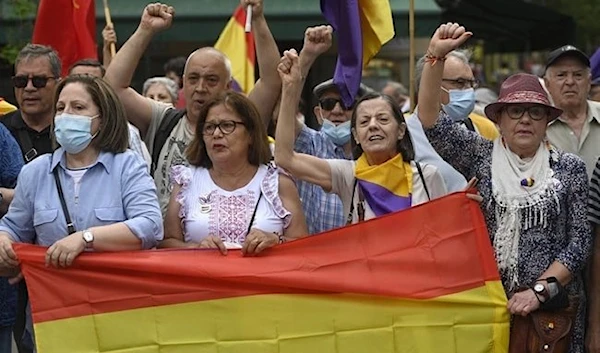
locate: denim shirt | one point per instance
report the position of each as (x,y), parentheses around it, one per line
(11,162)
(116,188)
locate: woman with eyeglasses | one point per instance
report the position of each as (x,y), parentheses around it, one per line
(383,176)
(231,197)
(534,196)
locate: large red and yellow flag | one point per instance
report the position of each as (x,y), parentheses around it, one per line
(68,26)
(422,280)
(239,48)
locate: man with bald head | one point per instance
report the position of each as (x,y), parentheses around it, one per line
(167,131)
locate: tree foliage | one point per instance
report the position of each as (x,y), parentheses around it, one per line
(586,14)
(22,12)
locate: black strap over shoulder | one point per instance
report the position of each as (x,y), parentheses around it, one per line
(423,180)
(22,136)
(469,124)
(63,203)
(171,118)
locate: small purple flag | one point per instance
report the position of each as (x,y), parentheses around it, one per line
(344,17)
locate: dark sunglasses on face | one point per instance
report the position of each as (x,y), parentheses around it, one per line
(535,112)
(37,81)
(329,103)
(226,127)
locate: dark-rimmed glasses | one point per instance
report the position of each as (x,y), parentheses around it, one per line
(535,112)
(226,127)
(462,83)
(21,81)
(329,103)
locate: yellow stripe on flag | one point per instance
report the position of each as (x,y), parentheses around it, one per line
(319,324)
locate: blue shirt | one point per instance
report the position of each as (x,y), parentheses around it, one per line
(116,188)
(323,211)
(426,154)
(11,162)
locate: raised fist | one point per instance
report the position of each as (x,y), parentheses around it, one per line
(157,17)
(446,38)
(317,40)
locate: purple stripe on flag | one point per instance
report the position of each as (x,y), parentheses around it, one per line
(344,17)
(381,200)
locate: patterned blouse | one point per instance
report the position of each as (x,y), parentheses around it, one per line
(567,238)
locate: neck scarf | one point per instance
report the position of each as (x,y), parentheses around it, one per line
(387,187)
(519,207)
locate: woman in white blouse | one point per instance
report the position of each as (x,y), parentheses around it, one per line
(230,196)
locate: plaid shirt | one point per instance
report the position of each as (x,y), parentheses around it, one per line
(323,211)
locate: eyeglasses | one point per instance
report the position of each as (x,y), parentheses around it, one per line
(462,83)
(329,103)
(37,81)
(226,127)
(535,112)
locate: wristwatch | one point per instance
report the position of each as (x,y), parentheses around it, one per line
(88,237)
(540,291)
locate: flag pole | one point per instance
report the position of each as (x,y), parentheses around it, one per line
(113,49)
(411,59)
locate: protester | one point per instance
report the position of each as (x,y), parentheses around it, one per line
(534,196)
(109,37)
(458,100)
(167,131)
(110,199)
(577,130)
(11,162)
(37,71)
(383,178)
(94,67)
(161,89)
(174,69)
(399,93)
(244,202)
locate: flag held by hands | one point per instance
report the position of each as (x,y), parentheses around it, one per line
(238,45)
(420,280)
(69,27)
(362,27)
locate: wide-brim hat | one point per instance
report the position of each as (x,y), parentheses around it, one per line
(521,88)
(328,85)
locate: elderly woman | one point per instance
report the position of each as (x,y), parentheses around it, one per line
(161,89)
(383,178)
(534,196)
(230,196)
(92,193)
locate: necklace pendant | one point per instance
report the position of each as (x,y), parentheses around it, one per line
(205,208)
(527,182)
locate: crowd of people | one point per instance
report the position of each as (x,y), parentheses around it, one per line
(90,164)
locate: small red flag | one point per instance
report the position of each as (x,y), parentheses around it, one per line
(68,26)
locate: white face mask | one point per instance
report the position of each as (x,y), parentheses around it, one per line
(73,132)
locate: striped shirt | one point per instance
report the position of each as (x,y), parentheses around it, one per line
(594,200)
(323,211)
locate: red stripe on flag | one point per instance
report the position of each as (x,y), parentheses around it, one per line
(240,18)
(424,252)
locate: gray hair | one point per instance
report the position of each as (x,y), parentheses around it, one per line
(169,84)
(34,51)
(216,51)
(399,89)
(463,55)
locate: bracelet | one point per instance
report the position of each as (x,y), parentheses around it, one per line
(432,59)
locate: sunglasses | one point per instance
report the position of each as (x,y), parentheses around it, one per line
(329,104)
(37,81)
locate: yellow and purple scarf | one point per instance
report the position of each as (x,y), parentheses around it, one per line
(386,187)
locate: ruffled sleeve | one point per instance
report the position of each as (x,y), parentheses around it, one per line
(270,189)
(182,176)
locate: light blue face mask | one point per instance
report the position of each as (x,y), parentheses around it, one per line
(73,132)
(462,103)
(340,134)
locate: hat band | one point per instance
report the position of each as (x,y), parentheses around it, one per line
(525,97)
